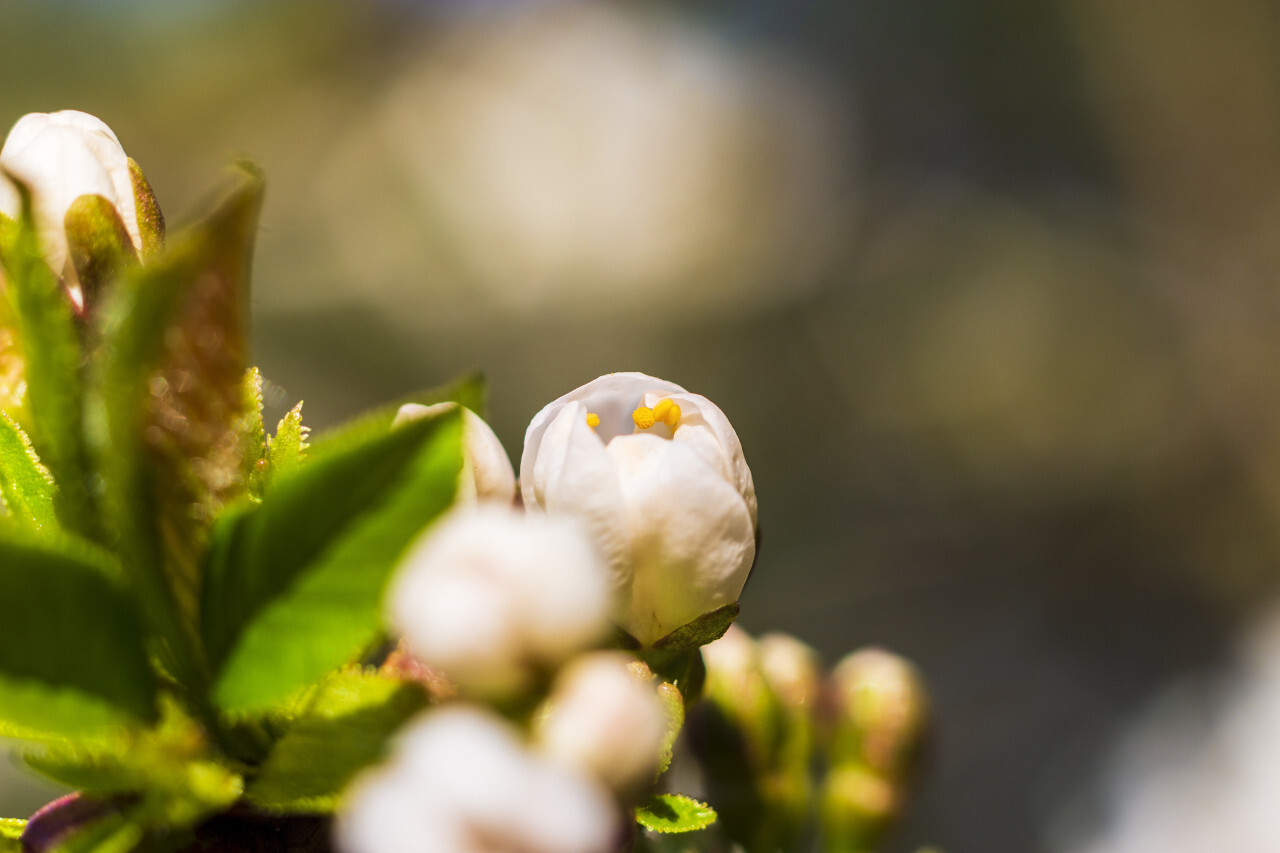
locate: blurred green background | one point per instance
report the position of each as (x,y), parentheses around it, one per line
(988,288)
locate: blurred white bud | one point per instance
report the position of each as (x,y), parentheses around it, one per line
(604,717)
(658,475)
(792,670)
(460,780)
(491,596)
(63,156)
(486,471)
(881,711)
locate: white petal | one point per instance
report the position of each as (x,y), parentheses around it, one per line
(564,591)
(613,397)
(700,417)
(575,476)
(693,540)
(384,812)
(462,625)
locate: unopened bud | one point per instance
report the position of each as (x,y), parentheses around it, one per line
(737,686)
(857,806)
(487,474)
(606,718)
(792,670)
(62,159)
(881,712)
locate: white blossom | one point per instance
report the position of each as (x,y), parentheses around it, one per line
(459,781)
(659,476)
(62,156)
(491,595)
(604,717)
(486,472)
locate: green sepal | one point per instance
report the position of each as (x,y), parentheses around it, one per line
(99,245)
(294,584)
(707,628)
(668,813)
(673,705)
(25,484)
(344,728)
(150,219)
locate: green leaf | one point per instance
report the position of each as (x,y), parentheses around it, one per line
(294,584)
(72,658)
(254,433)
(51,351)
(25,483)
(288,446)
(174,756)
(468,391)
(168,409)
(11,828)
(344,728)
(675,813)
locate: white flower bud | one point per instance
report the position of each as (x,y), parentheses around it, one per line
(460,780)
(604,717)
(486,471)
(792,670)
(491,596)
(659,476)
(61,157)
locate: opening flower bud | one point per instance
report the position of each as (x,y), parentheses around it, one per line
(659,477)
(64,158)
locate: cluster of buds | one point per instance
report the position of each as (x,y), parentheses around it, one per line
(558,621)
(637,520)
(771,718)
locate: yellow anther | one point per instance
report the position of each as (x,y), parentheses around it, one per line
(673,415)
(660,410)
(643,417)
(593,420)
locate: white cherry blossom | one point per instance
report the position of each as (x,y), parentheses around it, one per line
(659,476)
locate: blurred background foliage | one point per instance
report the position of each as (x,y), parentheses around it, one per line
(988,287)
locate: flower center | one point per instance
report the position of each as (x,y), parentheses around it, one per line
(666,412)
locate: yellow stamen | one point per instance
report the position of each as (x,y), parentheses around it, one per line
(673,415)
(660,410)
(593,420)
(643,417)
